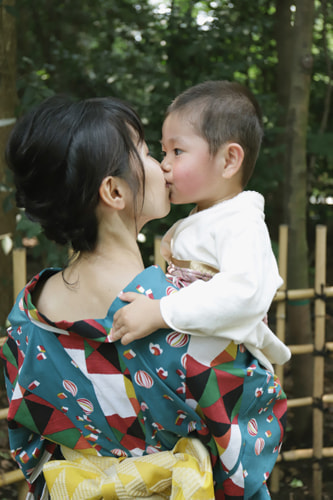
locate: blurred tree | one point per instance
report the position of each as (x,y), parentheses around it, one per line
(283,32)
(296,196)
(8,101)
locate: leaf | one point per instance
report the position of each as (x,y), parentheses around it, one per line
(296,483)
(29,228)
(8,203)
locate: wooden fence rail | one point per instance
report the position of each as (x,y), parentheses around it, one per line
(319,294)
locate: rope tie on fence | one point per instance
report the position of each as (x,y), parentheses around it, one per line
(322,295)
(318,461)
(318,404)
(321,352)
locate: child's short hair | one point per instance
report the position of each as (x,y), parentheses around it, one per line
(221,112)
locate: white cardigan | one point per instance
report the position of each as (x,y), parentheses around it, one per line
(232,237)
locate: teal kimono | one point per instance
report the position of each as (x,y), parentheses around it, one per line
(68,383)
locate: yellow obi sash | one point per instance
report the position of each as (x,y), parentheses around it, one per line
(181,474)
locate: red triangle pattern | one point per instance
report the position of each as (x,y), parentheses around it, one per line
(57,423)
(95,363)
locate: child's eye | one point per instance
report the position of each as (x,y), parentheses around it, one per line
(178,151)
(163,154)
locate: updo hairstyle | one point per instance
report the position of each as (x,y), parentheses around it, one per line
(61,151)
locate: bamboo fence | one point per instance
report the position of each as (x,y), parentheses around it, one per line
(320,293)
(318,400)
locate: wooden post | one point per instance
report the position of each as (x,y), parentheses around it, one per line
(158,259)
(319,344)
(282,306)
(3,413)
(11,477)
(280,325)
(19,270)
(19,262)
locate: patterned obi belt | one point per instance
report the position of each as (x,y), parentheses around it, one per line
(182,273)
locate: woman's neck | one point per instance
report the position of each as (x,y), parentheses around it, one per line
(114,262)
(89,285)
(116,245)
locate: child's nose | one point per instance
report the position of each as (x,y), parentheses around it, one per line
(165,165)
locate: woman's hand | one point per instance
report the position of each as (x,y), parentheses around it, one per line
(140,318)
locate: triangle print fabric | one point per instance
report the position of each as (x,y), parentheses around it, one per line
(69,385)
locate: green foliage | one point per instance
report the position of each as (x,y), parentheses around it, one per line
(321,145)
(31,86)
(31,235)
(147,55)
(296,483)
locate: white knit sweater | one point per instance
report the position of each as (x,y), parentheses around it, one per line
(232,237)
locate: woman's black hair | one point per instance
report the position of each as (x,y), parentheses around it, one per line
(61,151)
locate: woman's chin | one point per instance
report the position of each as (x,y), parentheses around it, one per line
(165,212)
(142,221)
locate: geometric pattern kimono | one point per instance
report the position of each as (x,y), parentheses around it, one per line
(69,384)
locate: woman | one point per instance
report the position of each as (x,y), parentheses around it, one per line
(83,170)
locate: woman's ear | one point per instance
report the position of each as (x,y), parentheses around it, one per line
(233,159)
(112,192)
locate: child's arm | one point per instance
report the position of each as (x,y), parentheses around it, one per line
(231,305)
(140,318)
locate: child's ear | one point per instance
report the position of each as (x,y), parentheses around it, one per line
(112,192)
(233,159)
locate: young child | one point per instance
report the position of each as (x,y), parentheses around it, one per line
(211,138)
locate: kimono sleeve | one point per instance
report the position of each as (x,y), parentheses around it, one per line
(29,449)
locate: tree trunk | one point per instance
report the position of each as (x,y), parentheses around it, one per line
(284,45)
(299,317)
(8,101)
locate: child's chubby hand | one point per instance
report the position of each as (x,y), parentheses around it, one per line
(140,318)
